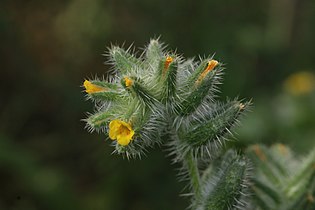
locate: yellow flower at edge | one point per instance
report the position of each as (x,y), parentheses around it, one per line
(91,88)
(121,131)
(167,64)
(299,83)
(128,82)
(168,61)
(211,65)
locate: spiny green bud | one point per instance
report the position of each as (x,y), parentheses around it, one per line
(154,53)
(169,76)
(227,188)
(101,90)
(135,86)
(98,120)
(123,60)
(213,128)
(202,81)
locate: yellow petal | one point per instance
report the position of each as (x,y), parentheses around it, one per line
(211,65)
(120,131)
(114,127)
(112,134)
(91,88)
(124,139)
(168,61)
(128,82)
(126,125)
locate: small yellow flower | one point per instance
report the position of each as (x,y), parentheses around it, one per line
(128,82)
(300,83)
(167,64)
(121,131)
(168,61)
(91,88)
(211,65)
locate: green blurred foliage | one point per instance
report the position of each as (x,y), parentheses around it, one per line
(286,117)
(48,160)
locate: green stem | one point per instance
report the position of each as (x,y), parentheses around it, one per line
(191,163)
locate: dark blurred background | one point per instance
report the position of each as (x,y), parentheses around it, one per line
(49,161)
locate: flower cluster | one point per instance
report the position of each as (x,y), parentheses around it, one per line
(161,98)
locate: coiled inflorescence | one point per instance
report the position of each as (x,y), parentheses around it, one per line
(161,98)
(159,94)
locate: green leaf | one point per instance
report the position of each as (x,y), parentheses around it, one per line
(305,200)
(267,190)
(265,163)
(299,182)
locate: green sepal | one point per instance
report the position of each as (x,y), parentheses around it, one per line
(123,60)
(105,96)
(154,53)
(214,128)
(212,168)
(108,94)
(194,76)
(111,86)
(99,120)
(191,165)
(138,90)
(160,70)
(169,82)
(198,93)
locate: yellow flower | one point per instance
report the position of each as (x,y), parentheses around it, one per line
(168,61)
(300,83)
(128,82)
(91,88)
(211,65)
(121,131)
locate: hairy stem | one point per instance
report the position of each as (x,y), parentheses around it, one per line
(192,167)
